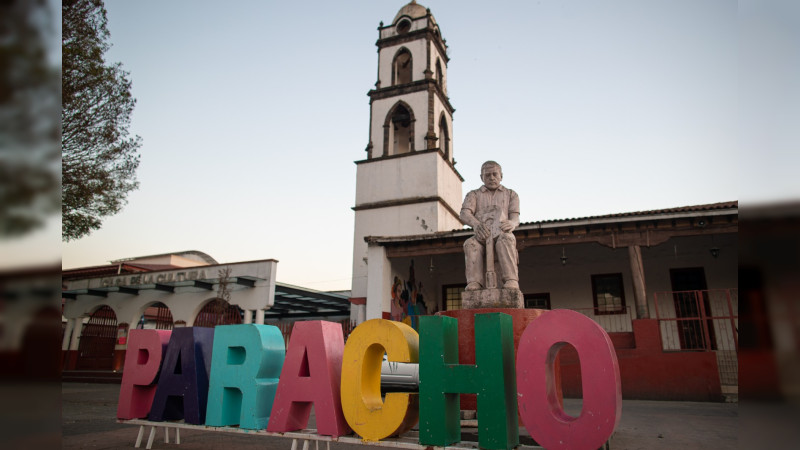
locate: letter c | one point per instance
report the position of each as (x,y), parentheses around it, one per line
(363,409)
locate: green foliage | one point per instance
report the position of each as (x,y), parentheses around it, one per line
(99,159)
(29,122)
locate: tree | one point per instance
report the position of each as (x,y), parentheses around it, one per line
(99,159)
(29,125)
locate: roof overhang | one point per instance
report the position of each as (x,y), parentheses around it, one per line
(638,228)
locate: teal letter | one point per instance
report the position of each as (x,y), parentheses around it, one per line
(245,367)
(442,379)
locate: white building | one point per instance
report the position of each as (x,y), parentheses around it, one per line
(663,283)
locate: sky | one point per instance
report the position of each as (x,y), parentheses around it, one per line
(253,112)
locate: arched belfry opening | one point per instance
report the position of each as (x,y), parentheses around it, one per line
(401,67)
(439,73)
(399,129)
(444,137)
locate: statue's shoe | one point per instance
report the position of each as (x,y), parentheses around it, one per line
(474,286)
(511,284)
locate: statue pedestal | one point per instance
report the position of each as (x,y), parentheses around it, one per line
(492,298)
(521,318)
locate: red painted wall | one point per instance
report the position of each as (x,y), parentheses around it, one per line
(649,373)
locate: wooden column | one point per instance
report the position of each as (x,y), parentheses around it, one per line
(639,287)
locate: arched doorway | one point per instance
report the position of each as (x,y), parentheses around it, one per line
(218,312)
(155,317)
(96,348)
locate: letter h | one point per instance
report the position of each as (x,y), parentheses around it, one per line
(492,378)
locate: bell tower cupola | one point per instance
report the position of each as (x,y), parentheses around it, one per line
(408,184)
(410,107)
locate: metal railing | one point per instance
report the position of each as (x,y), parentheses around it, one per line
(287,327)
(613,323)
(702,320)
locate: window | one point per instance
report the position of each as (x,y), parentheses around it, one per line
(439,73)
(400,130)
(538,301)
(444,140)
(609,294)
(403,26)
(401,67)
(452,296)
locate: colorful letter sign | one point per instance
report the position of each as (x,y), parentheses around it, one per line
(370,417)
(245,367)
(142,363)
(492,378)
(541,412)
(183,383)
(342,382)
(311,376)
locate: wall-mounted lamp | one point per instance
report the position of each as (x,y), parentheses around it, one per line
(431,268)
(563,257)
(714,250)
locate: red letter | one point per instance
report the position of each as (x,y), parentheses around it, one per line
(539,408)
(312,373)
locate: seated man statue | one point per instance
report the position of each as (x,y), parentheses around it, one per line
(493,212)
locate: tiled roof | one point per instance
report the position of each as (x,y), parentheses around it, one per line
(653,212)
(711,208)
(112,269)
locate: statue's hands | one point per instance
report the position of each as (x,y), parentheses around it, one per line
(482,232)
(506,226)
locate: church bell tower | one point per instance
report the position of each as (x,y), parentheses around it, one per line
(408,184)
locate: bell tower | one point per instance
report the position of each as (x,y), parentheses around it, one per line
(408,184)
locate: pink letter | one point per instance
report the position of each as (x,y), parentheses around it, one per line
(142,364)
(311,374)
(539,408)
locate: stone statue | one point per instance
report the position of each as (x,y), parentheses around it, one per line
(493,212)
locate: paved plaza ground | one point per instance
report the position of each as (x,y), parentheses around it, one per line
(88,422)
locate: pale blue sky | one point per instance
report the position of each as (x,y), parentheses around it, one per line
(252,113)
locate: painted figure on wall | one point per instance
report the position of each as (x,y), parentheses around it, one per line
(407,300)
(397,306)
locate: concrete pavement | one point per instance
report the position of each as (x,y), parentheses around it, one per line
(89,410)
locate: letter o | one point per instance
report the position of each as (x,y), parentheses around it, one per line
(539,408)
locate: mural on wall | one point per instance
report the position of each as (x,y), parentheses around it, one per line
(408,302)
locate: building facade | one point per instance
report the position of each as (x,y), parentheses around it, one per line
(101,304)
(663,283)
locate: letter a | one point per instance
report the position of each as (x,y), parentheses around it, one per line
(182,390)
(311,375)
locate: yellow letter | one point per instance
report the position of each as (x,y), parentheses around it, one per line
(363,409)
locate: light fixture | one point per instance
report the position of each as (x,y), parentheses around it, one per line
(714,250)
(431,268)
(563,256)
